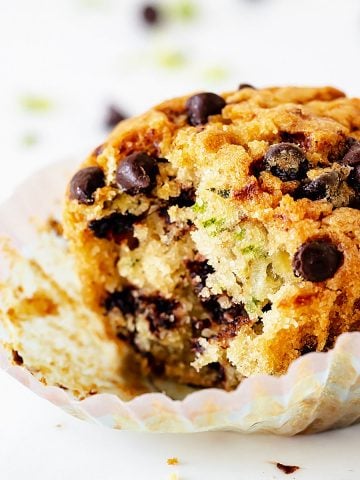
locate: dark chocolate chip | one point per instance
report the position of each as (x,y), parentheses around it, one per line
(199,271)
(287,469)
(297,138)
(317,260)
(185,199)
(286,161)
(116,226)
(198,325)
(352,159)
(156,366)
(163,213)
(17,358)
(136,173)
(151,14)
(159,312)
(132,242)
(320,187)
(113,117)
(355,201)
(246,85)
(350,142)
(124,300)
(213,307)
(354,177)
(197,347)
(84,183)
(235,314)
(201,106)
(310,343)
(98,150)
(267,307)
(219,369)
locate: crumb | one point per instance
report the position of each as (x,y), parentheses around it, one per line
(54,226)
(62,386)
(287,469)
(58,425)
(172,461)
(17,358)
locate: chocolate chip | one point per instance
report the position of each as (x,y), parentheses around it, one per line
(235,314)
(98,150)
(267,307)
(156,366)
(198,325)
(17,358)
(150,14)
(321,187)
(310,343)
(219,369)
(317,260)
(246,85)
(159,312)
(354,177)
(163,213)
(136,173)
(355,201)
(286,161)
(199,271)
(201,106)
(84,183)
(185,199)
(287,469)
(352,159)
(197,347)
(124,300)
(115,227)
(297,138)
(113,116)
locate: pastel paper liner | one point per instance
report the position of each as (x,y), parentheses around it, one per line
(320,391)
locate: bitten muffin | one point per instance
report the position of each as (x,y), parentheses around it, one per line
(219,235)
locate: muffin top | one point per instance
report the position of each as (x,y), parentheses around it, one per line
(267,180)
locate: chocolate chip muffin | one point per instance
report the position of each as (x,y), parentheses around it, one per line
(220,235)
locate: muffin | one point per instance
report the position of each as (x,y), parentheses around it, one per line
(219,235)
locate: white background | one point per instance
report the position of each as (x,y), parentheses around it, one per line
(82,55)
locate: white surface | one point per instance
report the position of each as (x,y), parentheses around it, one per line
(42,442)
(84,54)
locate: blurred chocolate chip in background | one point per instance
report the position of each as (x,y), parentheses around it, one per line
(150,14)
(113,116)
